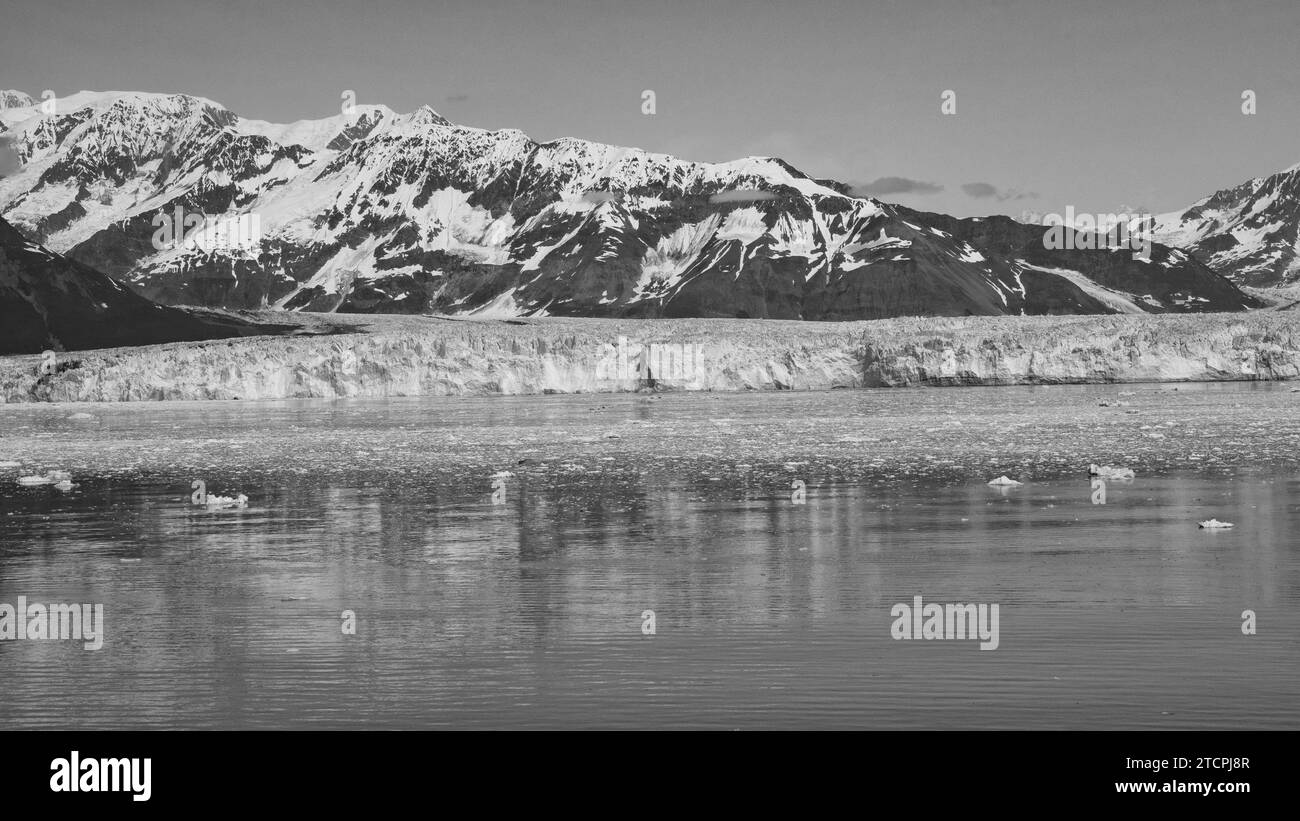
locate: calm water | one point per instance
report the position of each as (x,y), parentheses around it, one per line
(768,614)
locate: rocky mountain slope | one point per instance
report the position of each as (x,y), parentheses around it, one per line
(48,302)
(372,211)
(1250,233)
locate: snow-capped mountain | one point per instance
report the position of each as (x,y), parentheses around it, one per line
(1250,233)
(15,99)
(374,211)
(48,302)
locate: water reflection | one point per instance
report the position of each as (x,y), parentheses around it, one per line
(769,613)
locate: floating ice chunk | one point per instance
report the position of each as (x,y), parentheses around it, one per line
(214,500)
(1213,524)
(11,464)
(54,477)
(1109,472)
(82,417)
(64,485)
(1004,481)
(502,474)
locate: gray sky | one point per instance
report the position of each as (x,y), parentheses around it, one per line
(1096,104)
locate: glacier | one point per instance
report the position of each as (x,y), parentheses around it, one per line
(338,357)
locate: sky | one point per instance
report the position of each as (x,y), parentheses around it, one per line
(1096,105)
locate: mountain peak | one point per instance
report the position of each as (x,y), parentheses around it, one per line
(1250,232)
(10,98)
(426,115)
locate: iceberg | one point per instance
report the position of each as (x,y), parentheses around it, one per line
(1214,524)
(1109,472)
(215,501)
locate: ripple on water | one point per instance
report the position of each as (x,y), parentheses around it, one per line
(768,613)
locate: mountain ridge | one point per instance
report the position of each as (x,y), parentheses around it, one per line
(1249,232)
(372,211)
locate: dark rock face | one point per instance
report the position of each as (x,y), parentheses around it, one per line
(48,302)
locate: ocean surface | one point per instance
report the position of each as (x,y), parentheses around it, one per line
(770,534)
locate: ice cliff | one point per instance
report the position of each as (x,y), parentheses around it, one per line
(424,356)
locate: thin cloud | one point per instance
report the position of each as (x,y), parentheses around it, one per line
(8,155)
(457,98)
(600,196)
(741,196)
(984,190)
(893,186)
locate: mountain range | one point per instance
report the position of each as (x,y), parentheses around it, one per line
(374,211)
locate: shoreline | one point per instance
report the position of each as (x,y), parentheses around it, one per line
(339,356)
